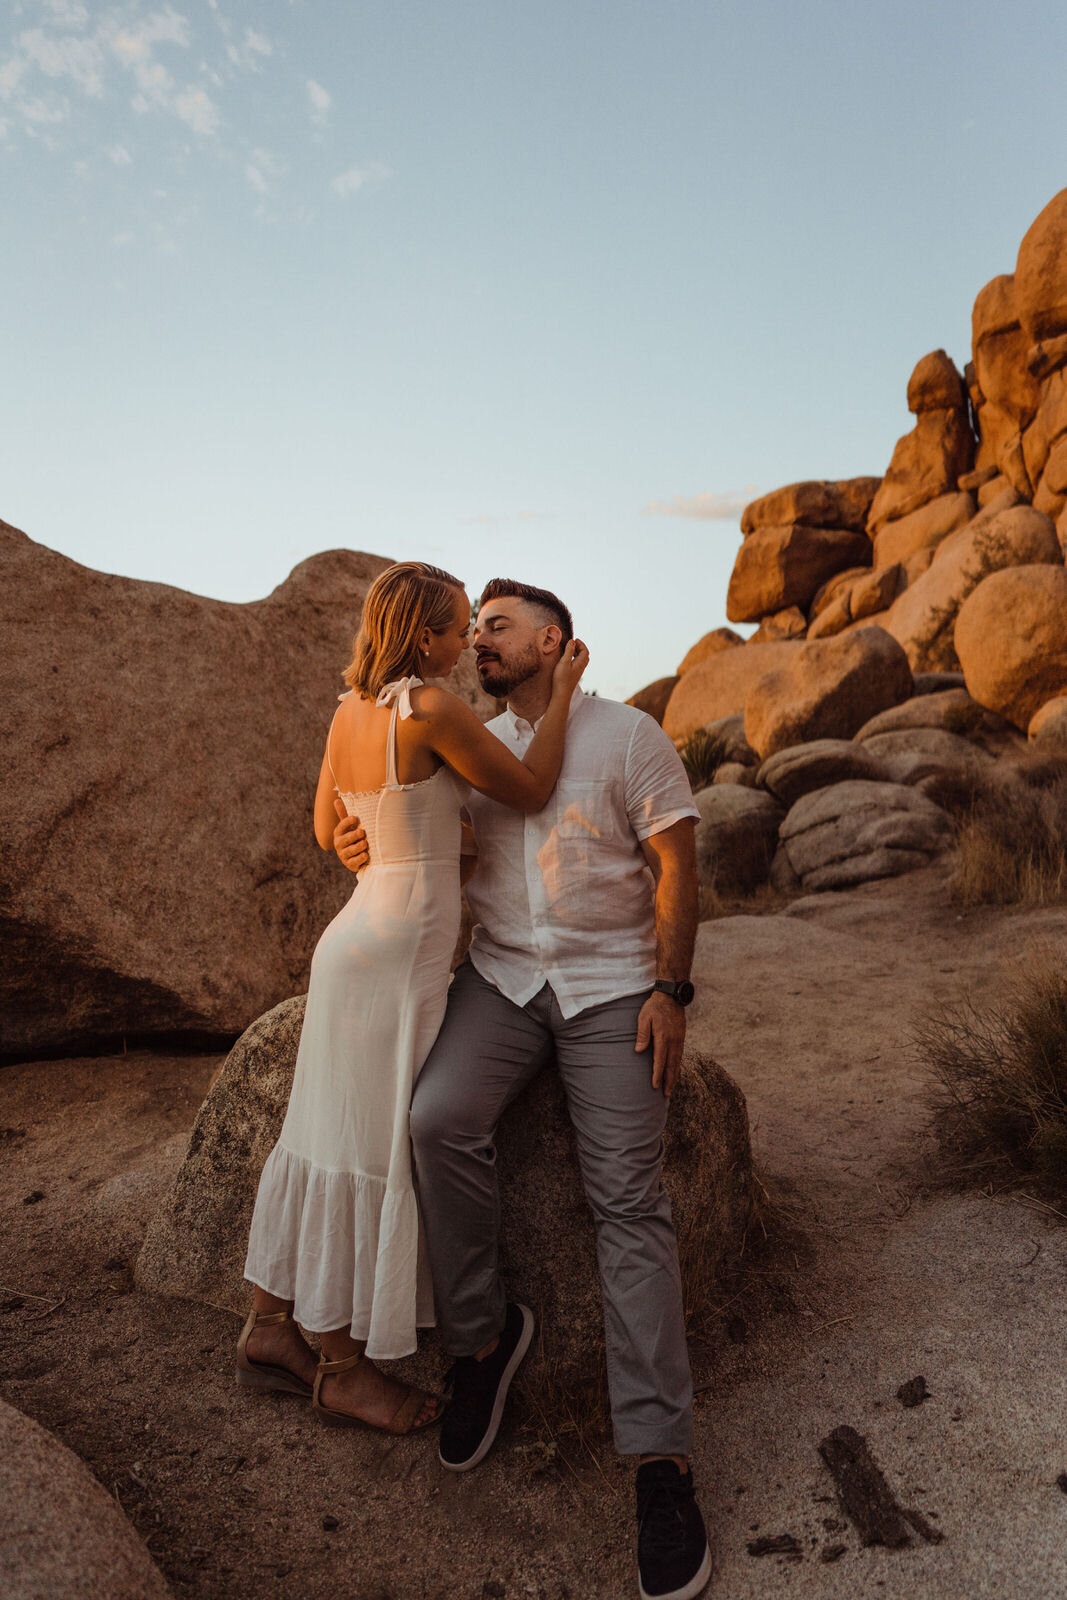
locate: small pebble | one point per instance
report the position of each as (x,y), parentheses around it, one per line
(1061,1482)
(914,1392)
(32,1199)
(832,1552)
(331,1524)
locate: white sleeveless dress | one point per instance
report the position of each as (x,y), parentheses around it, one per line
(336,1226)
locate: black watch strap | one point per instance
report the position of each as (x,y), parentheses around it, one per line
(682,992)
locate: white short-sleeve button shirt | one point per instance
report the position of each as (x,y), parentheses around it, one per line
(564,895)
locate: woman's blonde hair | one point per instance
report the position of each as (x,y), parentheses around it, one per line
(401,602)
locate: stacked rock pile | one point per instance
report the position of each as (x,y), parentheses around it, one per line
(909,625)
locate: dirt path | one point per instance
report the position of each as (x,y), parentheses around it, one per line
(811,1010)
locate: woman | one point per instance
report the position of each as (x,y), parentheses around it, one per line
(336,1242)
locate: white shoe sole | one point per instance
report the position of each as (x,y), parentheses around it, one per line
(694,1587)
(489,1437)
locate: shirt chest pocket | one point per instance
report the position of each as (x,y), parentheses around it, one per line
(585,811)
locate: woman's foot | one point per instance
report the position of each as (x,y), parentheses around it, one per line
(281,1344)
(370,1395)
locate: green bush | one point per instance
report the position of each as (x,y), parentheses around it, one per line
(703,753)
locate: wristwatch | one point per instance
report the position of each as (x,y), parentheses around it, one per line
(682,992)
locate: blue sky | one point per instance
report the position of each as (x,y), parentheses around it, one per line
(545,290)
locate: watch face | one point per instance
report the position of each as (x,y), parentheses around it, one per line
(684,993)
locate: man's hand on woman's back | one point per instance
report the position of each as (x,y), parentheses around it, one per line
(350,840)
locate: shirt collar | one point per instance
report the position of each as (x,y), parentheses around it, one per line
(518,727)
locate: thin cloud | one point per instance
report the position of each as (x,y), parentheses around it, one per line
(357,178)
(707,507)
(249,55)
(321,100)
(120,156)
(262,169)
(197,110)
(80,60)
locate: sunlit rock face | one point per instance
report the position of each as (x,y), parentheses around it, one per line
(158,870)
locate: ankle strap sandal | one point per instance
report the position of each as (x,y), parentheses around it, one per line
(402,1420)
(262,1374)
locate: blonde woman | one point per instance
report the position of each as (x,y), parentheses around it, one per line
(336,1240)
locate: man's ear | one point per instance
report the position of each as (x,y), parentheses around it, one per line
(551,639)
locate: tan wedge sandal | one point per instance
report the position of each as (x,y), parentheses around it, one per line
(402,1420)
(261,1374)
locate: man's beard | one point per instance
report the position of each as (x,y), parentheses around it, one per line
(499,678)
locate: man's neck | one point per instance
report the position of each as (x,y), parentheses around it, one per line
(530,699)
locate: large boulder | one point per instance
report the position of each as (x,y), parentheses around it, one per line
(62,1536)
(783,566)
(788,624)
(818,502)
(864,597)
(195,1245)
(950,710)
(924,616)
(827,689)
(1048,725)
(1011,638)
(158,870)
(736,836)
(708,646)
(730,732)
(840,583)
(856,831)
(1041,272)
(654,697)
(803,768)
(1007,387)
(719,687)
(935,384)
(927,461)
(908,755)
(922,529)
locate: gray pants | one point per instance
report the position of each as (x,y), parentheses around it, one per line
(487,1051)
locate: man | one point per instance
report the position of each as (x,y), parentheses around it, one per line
(586,916)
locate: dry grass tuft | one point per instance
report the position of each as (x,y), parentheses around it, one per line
(1000,1102)
(1011,845)
(703,753)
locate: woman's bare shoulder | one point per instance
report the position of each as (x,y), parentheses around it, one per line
(431,701)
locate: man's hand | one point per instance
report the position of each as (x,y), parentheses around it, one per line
(350,840)
(662,1022)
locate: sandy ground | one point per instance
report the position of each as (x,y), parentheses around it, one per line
(880,1277)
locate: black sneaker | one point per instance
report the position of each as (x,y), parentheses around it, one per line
(673,1558)
(479,1389)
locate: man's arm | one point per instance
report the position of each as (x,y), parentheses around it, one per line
(350,840)
(672,857)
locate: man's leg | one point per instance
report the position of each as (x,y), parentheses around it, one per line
(487,1051)
(618,1121)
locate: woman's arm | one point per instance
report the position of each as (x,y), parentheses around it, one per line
(458,737)
(325,815)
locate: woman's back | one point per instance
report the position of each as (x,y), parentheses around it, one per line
(414,820)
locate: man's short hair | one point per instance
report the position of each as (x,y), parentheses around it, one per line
(549,604)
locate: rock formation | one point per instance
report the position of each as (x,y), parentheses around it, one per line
(857,830)
(158,871)
(955,555)
(195,1246)
(736,836)
(826,689)
(62,1536)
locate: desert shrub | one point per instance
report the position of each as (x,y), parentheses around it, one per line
(1011,844)
(703,753)
(1000,1074)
